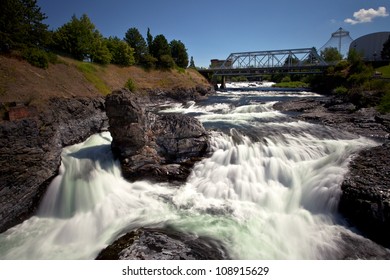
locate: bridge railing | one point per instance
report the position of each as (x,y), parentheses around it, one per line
(305,58)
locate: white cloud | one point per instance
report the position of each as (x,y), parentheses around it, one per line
(363,16)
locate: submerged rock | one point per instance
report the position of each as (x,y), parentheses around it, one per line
(152,146)
(162,244)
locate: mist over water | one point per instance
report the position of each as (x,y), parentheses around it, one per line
(269,189)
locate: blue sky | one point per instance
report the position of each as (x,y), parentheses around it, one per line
(214,29)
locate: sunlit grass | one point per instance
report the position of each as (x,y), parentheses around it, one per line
(90,73)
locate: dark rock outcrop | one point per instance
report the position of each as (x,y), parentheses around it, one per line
(365,199)
(30,151)
(162,244)
(180,94)
(336,112)
(352,246)
(152,146)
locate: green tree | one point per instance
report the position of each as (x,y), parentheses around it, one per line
(149,39)
(122,53)
(78,38)
(21,24)
(99,50)
(331,55)
(291,60)
(179,53)
(135,40)
(160,46)
(161,50)
(385,53)
(192,63)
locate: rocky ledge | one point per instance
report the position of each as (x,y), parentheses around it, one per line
(365,199)
(152,146)
(162,244)
(31,143)
(341,114)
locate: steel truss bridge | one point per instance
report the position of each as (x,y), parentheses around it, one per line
(292,61)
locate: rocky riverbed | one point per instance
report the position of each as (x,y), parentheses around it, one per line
(32,139)
(365,199)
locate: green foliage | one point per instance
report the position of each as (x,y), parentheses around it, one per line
(192,63)
(166,62)
(295,84)
(80,39)
(21,25)
(122,53)
(331,55)
(90,73)
(36,57)
(341,90)
(179,53)
(100,52)
(135,40)
(161,50)
(160,46)
(131,85)
(385,53)
(239,79)
(341,65)
(384,105)
(385,71)
(149,61)
(149,39)
(286,79)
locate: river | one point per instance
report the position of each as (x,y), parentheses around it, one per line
(269,189)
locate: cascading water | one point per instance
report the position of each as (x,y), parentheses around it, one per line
(269,190)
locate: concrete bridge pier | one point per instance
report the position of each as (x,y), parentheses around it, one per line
(223,82)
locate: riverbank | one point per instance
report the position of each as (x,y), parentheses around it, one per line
(21,83)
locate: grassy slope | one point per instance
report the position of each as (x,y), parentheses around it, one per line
(385,70)
(21,82)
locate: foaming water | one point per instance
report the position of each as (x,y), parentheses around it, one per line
(269,190)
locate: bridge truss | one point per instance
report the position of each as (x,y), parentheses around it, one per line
(304,60)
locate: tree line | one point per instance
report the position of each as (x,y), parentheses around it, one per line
(22,28)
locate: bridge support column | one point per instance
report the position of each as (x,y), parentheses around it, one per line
(223,82)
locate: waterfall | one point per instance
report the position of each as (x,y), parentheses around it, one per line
(269,190)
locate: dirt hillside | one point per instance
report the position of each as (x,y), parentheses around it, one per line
(21,82)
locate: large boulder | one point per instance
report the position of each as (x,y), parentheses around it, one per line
(365,199)
(153,146)
(31,143)
(162,244)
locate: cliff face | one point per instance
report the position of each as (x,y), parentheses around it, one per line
(152,146)
(30,150)
(365,199)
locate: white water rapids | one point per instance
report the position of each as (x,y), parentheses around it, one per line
(269,190)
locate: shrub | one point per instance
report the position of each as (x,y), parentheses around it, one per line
(166,62)
(36,57)
(148,61)
(340,90)
(384,105)
(130,85)
(286,79)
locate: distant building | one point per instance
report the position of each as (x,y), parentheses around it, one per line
(370,45)
(217,63)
